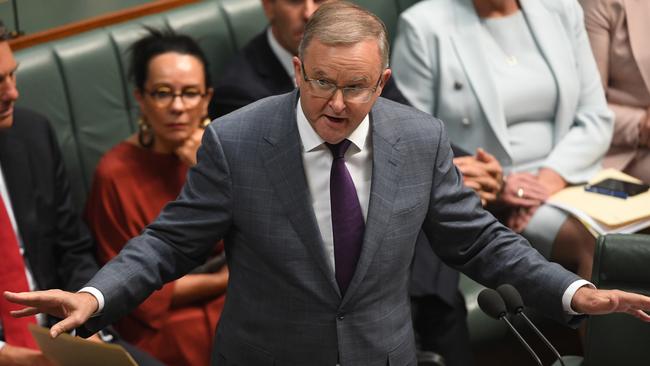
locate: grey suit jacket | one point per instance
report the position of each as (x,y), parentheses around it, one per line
(283,305)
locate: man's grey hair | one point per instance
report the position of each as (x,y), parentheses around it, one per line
(340,23)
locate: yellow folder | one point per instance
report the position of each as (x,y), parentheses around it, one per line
(612,214)
(67,350)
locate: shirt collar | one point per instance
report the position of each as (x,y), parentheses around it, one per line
(285,58)
(311,140)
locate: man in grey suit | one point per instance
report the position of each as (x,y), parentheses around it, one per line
(319,244)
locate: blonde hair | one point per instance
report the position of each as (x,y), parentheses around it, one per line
(342,23)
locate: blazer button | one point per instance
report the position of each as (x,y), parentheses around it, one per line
(340,316)
(465,121)
(458,85)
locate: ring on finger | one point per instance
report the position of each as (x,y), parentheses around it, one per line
(520,192)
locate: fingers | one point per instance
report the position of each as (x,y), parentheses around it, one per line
(187,151)
(65,325)
(24,312)
(26,298)
(640,314)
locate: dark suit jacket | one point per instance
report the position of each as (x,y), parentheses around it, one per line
(58,247)
(256,73)
(283,305)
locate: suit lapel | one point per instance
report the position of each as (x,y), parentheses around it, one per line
(269,67)
(284,167)
(386,163)
(472,57)
(638,29)
(16,169)
(548,32)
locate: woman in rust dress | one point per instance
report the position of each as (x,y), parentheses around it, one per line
(136,178)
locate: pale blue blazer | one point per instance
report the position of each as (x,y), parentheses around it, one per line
(439,65)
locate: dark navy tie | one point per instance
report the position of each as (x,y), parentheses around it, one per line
(347,220)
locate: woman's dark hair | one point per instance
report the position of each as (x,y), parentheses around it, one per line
(156,43)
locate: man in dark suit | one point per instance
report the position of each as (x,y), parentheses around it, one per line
(52,246)
(264,68)
(320,195)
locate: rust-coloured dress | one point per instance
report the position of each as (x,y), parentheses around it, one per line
(130,187)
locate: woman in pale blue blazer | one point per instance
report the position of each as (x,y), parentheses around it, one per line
(518,79)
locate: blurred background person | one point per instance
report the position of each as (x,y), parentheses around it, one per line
(518,79)
(43,242)
(137,177)
(618,31)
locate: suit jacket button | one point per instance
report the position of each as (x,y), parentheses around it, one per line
(465,121)
(458,85)
(340,316)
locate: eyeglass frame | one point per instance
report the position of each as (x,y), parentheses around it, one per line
(157,102)
(342,88)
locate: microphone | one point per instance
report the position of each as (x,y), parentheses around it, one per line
(492,304)
(515,305)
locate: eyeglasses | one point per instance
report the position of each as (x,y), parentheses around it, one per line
(164,97)
(321,88)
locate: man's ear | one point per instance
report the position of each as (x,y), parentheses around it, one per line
(297,70)
(385,76)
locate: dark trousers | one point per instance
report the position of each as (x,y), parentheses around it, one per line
(441,327)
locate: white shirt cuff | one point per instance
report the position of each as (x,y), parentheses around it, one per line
(98,295)
(2,344)
(570,291)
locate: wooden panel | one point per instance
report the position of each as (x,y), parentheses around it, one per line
(96,22)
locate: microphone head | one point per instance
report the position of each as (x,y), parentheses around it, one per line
(512,298)
(491,303)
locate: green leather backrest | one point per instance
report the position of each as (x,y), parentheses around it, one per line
(621,261)
(80,83)
(245,18)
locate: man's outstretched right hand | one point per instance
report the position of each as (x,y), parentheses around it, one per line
(73,308)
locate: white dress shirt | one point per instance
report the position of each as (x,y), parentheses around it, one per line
(317,160)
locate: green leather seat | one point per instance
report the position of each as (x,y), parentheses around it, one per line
(482,328)
(620,262)
(623,262)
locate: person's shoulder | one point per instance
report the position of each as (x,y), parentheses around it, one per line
(613,9)
(260,115)
(27,121)
(407,118)
(116,161)
(562,8)
(241,64)
(431,14)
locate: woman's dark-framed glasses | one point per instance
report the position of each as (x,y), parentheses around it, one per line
(163,97)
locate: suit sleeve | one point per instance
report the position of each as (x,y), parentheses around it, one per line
(598,21)
(471,240)
(181,237)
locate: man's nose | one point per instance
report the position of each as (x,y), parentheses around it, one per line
(337,102)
